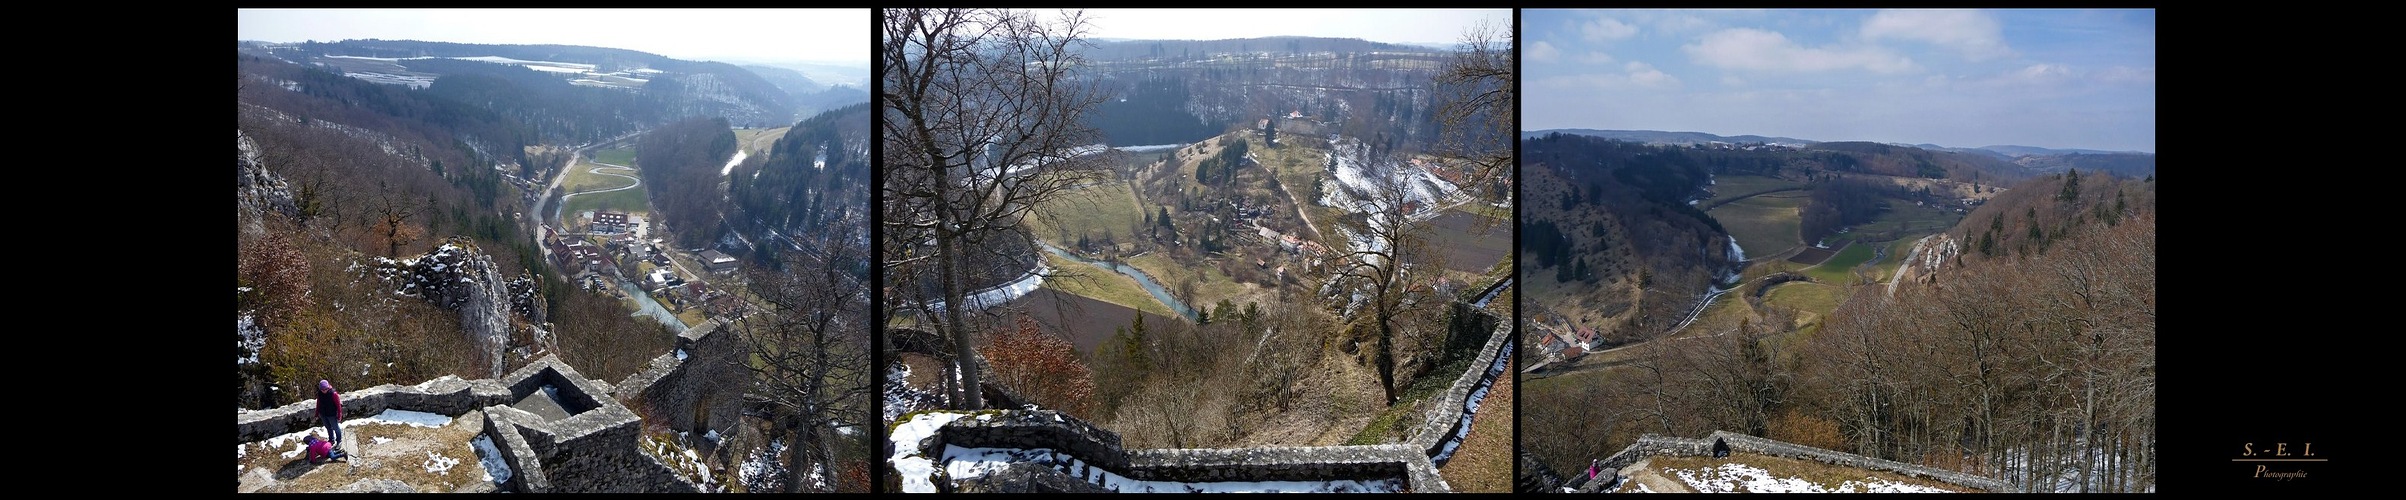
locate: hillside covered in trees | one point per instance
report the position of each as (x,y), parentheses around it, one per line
(2018,344)
(811,177)
(614,90)
(373,184)
(1179,91)
(1608,223)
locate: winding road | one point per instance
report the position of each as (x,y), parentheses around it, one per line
(556,211)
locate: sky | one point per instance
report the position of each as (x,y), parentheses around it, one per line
(724,35)
(1442,27)
(1957,78)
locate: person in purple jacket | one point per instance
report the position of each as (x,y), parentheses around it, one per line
(330,412)
(320,450)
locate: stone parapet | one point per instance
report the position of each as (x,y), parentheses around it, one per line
(1653,446)
(590,449)
(448,396)
(1098,448)
(1446,414)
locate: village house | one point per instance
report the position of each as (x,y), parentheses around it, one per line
(717,262)
(609,222)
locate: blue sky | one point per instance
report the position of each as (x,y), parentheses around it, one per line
(1958,78)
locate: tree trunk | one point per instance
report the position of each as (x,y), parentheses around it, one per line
(964,352)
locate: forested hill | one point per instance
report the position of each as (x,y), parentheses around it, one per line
(2030,358)
(411,116)
(681,164)
(2129,165)
(2040,213)
(810,179)
(1175,91)
(359,173)
(663,88)
(2007,163)
(1138,50)
(1610,219)
(1661,137)
(810,96)
(1906,161)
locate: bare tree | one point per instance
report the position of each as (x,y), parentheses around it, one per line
(1477,93)
(983,121)
(393,210)
(809,352)
(1389,265)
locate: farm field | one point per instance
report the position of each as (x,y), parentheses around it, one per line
(582,178)
(1095,211)
(1085,321)
(1839,268)
(615,156)
(1468,247)
(1102,284)
(1729,187)
(1764,225)
(757,140)
(1211,285)
(630,201)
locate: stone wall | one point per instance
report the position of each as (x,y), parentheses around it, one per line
(1446,414)
(1042,429)
(694,392)
(1652,445)
(591,450)
(448,395)
(1070,436)
(1534,476)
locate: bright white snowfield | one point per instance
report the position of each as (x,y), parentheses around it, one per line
(1730,477)
(916,469)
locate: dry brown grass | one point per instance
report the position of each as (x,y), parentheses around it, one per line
(1484,464)
(404,457)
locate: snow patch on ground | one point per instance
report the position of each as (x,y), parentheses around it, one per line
(249,339)
(404,417)
(439,464)
(1005,292)
(762,471)
(497,470)
(1356,184)
(1732,478)
(972,462)
(739,158)
(916,471)
(1148,147)
(902,399)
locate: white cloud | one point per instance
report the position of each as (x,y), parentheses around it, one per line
(1682,23)
(1596,57)
(1632,76)
(1972,32)
(2035,74)
(1605,28)
(1543,52)
(2126,74)
(1644,75)
(1758,50)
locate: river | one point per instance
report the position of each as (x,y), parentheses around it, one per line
(1142,279)
(651,307)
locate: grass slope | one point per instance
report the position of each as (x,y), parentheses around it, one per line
(1764,225)
(1102,284)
